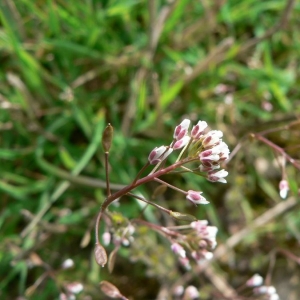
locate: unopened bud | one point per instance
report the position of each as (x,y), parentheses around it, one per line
(107,137)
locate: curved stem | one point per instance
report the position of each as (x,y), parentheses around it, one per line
(133,185)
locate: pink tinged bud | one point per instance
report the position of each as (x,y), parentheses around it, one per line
(196,197)
(209,156)
(212,138)
(208,166)
(106,238)
(283,188)
(217,176)
(159,154)
(198,129)
(199,225)
(191,293)
(181,143)
(182,129)
(255,280)
(178,249)
(184,261)
(178,290)
(75,287)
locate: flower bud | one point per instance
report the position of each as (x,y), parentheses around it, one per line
(196,197)
(178,249)
(159,154)
(182,129)
(283,188)
(181,143)
(255,280)
(217,176)
(198,129)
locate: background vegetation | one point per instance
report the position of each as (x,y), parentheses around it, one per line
(70,67)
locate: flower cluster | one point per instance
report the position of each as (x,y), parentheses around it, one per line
(199,242)
(204,147)
(119,235)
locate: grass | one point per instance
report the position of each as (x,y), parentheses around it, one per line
(67,69)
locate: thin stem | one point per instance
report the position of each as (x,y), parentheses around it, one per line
(149,202)
(277,149)
(130,187)
(169,185)
(107,174)
(140,172)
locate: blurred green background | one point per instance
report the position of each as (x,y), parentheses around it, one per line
(70,67)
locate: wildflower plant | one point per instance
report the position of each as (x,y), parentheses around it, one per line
(199,151)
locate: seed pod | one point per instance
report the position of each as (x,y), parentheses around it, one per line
(107,137)
(100,255)
(182,217)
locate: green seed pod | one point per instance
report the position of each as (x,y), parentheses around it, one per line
(182,217)
(107,137)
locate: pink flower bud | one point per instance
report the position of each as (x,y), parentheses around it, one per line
(182,129)
(217,176)
(181,143)
(212,138)
(106,238)
(196,197)
(178,249)
(283,188)
(198,129)
(159,154)
(191,293)
(255,280)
